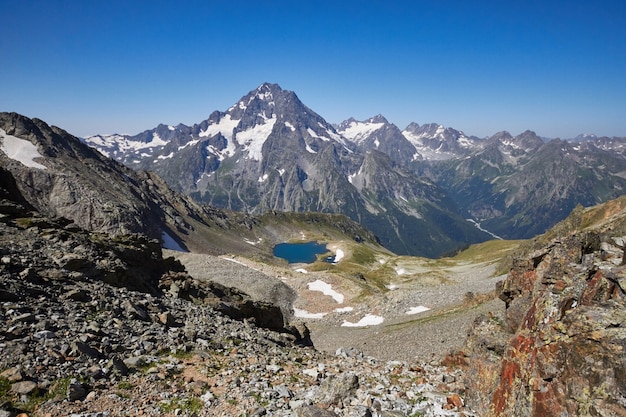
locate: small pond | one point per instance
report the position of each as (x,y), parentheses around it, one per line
(299,252)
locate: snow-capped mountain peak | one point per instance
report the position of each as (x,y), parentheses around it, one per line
(357,132)
(436,142)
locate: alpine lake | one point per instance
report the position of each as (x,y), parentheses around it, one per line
(301,252)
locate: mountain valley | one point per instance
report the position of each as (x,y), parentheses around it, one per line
(123,295)
(426,190)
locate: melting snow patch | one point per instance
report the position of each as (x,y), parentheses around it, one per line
(290,126)
(302,271)
(368,320)
(281,171)
(326,289)
(157,141)
(170,243)
(255,137)
(400,271)
(235,261)
(263,178)
(392,287)
(239,262)
(171,155)
(20,150)
(309,149)
(359,131)
(344,309)
(250,242)
(312,132)
(306,315)
(338,256)
(416,310)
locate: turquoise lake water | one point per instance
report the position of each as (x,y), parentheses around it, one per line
(299,252)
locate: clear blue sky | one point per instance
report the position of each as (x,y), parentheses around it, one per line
(555,67)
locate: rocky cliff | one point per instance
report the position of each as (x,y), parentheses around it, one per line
(560,349)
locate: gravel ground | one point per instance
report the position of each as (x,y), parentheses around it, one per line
(426,336)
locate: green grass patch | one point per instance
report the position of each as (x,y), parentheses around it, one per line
(490,251)
(191,405)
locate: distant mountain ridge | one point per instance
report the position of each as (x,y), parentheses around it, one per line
(414,188)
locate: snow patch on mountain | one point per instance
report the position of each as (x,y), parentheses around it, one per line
(225,126)
(20,150)
(367,320)
(107,144)
(303,314)
(326,289)
(254,138)
(171,155)
(359,131)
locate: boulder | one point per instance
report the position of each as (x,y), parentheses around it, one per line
(565,332)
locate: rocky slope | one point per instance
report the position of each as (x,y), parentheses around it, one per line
(98,325)
(560,350)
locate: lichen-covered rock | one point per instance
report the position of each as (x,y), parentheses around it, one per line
(566,331)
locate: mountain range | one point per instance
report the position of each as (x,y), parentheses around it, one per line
(58,176)
(415,188)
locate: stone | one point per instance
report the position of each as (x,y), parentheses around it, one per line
(75,391)
(24,387)
(12,374)
(119,365)
(78,295)
(167,319)
(45,334)
(314,411)
(454,400)
(335,389)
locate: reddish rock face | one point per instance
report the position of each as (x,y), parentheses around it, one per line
(564,337)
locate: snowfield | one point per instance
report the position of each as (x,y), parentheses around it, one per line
(20,150)
(326,289)
(367,320)
(416,310)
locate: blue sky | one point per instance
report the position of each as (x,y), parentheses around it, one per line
(555,67)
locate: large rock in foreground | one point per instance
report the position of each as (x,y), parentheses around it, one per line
(561,349)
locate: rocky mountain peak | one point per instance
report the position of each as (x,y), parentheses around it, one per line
(501,136)
(379,118)
(529,139)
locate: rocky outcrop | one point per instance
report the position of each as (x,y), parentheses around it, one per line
(77,183)
(560,350)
